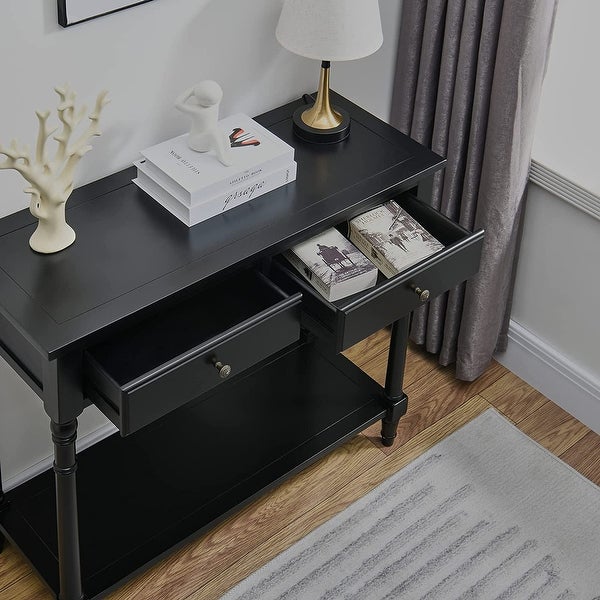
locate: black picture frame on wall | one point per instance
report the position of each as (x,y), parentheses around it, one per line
(71,12)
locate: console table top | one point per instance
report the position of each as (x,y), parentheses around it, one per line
(131,254)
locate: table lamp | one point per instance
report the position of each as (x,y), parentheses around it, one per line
(328,30)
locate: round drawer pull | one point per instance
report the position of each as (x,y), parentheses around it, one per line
(224,370)
(423,294)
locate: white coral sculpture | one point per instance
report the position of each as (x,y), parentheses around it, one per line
(51,180)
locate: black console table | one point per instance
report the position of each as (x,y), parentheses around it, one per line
(145,318)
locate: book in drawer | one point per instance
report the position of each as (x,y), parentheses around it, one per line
(160,364)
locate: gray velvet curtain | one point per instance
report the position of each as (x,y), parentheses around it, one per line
(467,85)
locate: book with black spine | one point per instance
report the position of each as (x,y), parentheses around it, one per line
(332,265)
(392,238)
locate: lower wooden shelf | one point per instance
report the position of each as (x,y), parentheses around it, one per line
(141,496)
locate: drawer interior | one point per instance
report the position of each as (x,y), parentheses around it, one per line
(355,317)
(160,364)
(171,334)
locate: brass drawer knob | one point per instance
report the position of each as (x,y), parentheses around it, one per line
(423,294)
(224,370)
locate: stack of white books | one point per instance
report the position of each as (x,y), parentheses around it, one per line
(333,265)
(195,186)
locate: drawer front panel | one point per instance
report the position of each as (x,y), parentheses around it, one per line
(400,299)
(154,398)
(159,365)
(352,319)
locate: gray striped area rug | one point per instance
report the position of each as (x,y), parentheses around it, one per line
(486,513)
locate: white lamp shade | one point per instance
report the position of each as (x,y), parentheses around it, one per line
(330,29)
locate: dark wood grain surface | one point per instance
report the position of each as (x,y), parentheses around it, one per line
(131,254)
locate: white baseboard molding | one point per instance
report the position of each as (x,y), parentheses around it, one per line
(82,443)
(558,378)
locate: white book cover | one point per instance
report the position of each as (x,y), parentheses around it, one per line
(192,215)
(163,198)
(200,175)
(333,265)
(391,238)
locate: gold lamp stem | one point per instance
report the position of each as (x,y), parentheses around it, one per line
(321,115)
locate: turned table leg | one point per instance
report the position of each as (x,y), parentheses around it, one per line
(396,398)
(65,465)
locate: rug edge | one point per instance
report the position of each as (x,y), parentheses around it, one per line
(532,442)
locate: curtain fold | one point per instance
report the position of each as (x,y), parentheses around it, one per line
(468,83)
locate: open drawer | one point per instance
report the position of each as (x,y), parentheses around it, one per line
(158,365)
(352,319)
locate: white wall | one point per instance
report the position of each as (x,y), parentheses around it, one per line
(554,339)
(557,292)
(568,125)
(554,329)
(145,56)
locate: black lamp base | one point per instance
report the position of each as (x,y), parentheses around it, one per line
(321,136)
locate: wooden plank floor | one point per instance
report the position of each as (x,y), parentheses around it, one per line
(438,405)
